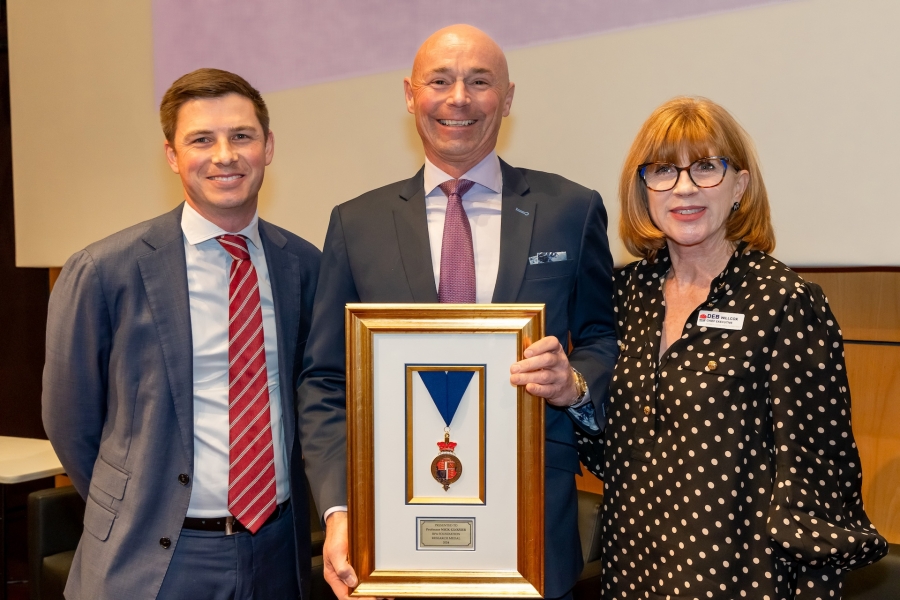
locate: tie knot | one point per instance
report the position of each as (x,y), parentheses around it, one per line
(456,186)
(235,245)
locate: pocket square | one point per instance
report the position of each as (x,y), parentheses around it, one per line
(547,257)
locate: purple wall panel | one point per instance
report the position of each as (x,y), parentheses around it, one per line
(281,44)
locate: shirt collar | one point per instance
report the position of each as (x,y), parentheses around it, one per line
(197,229)
(741,261)
(486,173)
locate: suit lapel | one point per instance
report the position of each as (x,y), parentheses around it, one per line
(164,273)
(412,236)
(516,223)
(284,276)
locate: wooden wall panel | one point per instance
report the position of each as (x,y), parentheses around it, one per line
(54,275)
(867,306)
(874,374)
(588,482)
(865,302)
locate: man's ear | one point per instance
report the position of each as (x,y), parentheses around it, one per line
(270,147)
(410,97)
(507,102)
(171,157)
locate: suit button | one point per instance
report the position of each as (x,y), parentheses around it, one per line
(184,479)
(712,365)
(165,542)
(646,410)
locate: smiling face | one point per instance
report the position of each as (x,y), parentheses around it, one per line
(221,152)
(459,92)
(692,217)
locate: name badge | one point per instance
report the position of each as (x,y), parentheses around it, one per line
(720,320)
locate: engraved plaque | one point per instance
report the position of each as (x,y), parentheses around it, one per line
(446,534)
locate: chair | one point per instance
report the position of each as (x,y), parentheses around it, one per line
(589,529)
(54,527)
(880,581)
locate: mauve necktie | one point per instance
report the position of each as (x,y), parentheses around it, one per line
(457,283)
(251,472)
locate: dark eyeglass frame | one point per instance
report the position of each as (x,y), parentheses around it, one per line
(643,168)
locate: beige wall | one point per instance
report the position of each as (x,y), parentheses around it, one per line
(87,152)
(812,80)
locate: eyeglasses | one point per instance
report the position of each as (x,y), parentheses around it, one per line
(705,172)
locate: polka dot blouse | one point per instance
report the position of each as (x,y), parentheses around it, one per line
(729,466)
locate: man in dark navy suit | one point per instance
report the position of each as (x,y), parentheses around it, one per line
(467,228)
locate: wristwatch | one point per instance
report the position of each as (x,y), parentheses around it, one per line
(580,385)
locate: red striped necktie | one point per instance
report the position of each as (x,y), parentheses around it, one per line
(251,472)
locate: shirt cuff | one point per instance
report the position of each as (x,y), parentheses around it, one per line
(585,416)
(333,509)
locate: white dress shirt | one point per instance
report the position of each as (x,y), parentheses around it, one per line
(482,204)
(208,267)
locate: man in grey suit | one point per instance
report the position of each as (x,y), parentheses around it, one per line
(173,351)
(529,237)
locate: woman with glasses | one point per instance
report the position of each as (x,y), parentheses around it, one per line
(729,465)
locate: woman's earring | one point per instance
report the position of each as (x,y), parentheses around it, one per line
(735,206)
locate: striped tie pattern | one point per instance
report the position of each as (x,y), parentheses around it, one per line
(457,283)
(251,472)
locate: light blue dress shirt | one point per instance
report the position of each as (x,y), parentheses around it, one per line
(208,266)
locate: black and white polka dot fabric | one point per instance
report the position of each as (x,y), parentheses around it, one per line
(729,467)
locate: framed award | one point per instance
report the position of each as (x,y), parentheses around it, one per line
(446,457)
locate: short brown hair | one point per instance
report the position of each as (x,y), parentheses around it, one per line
(697,127)
(207,83)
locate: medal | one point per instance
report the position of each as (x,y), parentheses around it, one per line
(446,467)
(446,389)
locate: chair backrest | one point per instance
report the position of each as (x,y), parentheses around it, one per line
(589,526)
(880,581)
(55,523)
(316,531)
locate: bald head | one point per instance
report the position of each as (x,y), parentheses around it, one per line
(459,91)
(445,41)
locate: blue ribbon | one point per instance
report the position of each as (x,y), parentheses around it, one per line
(446,389)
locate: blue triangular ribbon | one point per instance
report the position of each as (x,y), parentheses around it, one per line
(446,389)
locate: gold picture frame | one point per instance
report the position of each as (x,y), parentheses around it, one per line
(383,340)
